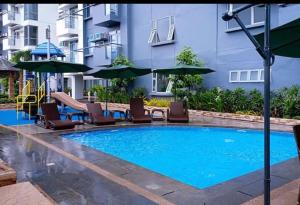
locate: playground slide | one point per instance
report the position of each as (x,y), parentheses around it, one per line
(69,101)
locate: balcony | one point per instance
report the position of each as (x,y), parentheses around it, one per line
(108,15)
(106,54)
(65,6)
(10,18)
(67,27)
(12,43)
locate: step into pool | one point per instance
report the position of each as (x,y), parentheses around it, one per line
(194,155)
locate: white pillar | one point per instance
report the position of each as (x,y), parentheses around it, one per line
(77,86)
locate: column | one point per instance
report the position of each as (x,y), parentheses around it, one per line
(77,86)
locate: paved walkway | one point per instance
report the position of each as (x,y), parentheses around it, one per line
(284,195)
(64,180)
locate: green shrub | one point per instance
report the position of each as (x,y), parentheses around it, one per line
(248,112)
(7,100)
(3,95)
(119,97)
(157,102)
(139,92)
(256,102)
(100,92)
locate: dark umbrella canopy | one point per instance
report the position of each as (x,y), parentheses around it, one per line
(122,71)
(6,66)
(284,40)
(52,66)
(183,69)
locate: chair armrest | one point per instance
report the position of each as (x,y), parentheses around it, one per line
(128,114)
(147,110)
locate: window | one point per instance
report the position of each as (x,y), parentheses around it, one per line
(162,30)
(30,11)
(86,11)
(250,17)
(90,45)
(73,48)
(255,75)
(30,35)
(111,9)
(161,83)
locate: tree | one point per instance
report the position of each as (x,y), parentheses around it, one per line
(117,83)
(189,82)
(17,57)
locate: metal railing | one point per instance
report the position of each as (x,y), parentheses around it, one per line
(23,99)
(41,93)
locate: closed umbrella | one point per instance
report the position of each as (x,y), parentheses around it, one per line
(120,71)
(183,69)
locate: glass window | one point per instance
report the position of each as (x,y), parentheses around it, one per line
(249,16)
(259,14)
(162,30)
(234,76)
(254,75)
(86,11)
(30,11)
(160,82)
(243,75)
(30,35)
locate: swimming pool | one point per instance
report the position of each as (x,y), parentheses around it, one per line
(9,117)
(198,156)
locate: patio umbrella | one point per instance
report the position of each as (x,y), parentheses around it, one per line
(52,66)
(285,39)
(120,71)
(183,69)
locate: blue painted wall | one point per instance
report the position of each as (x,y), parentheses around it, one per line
(201,27)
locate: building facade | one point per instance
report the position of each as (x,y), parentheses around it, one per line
(24,26)
(151,35)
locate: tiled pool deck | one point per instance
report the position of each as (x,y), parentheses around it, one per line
(75,174)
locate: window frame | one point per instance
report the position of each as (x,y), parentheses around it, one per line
(248,80)
(29,12)
(27,39)
(154,36)
(253,24)
(154,88)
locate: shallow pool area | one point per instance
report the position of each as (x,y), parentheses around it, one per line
(194,155)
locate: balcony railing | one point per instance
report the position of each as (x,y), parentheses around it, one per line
(11,15)
(11,41)
(70,22)
(112,51)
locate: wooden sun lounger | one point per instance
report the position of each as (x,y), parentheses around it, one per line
(51,118)
(96,115)
(136,113)
(7,174)
(177,112)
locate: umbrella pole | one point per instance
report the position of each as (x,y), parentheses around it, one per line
(267,64)
(106,96)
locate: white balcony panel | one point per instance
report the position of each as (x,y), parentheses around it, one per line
(66,28)
(11,18)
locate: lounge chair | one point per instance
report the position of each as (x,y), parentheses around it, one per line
(177,112)
(296,129)
(51,118)
(96,115)
(136,113)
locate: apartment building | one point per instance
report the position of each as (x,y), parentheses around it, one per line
(24,26)
(69,33)
(151,35)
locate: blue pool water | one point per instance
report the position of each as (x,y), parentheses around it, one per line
(198,156)
(9,117)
